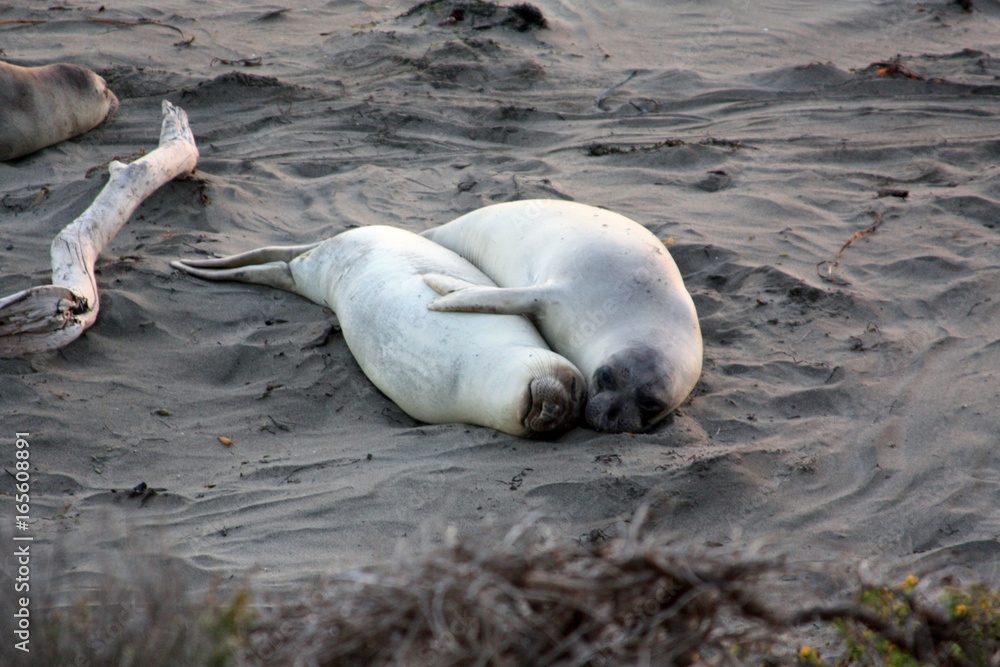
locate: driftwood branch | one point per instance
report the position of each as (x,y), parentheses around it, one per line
(51,316)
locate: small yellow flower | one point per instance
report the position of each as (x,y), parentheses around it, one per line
(911,581)
(961,610)
(809,654)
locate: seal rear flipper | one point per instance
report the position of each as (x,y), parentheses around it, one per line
(495,300)
(250,258)
(264,266)
(273,274)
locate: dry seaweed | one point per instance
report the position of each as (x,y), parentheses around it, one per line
(833,264)
(527,600)
(480,14)
(598,149)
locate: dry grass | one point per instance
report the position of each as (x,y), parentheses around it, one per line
(143,616)
(524,599)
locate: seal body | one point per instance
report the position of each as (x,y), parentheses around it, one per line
(603,291)
(438,367)
(41,106)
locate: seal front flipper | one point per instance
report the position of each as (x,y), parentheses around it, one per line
(444,285)
(495,300)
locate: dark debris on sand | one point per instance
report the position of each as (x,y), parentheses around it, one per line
(481,15)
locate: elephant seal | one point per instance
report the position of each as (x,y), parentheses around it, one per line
(603,291)
(438,367)
(41,106)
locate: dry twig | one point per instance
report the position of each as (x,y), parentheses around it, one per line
(831,265)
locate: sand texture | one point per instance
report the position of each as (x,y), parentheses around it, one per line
(848,404)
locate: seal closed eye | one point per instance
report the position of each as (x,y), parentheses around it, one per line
(648,404)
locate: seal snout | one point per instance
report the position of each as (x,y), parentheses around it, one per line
(631,392)
(551,411)
(607,412)
(555,400)
(100,86)
(113,102)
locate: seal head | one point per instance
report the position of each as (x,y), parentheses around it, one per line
(554,402)
(631,391)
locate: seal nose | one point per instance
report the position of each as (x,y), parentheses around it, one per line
(550,411)
(608,412)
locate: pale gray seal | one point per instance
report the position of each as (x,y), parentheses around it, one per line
(603,291)
(41,106)
(489,370)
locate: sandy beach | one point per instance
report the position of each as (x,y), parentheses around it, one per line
(824,174)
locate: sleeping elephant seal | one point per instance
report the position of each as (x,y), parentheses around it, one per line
(41,106)
(603,291)
(487,370)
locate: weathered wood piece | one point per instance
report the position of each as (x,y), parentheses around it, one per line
(49,317)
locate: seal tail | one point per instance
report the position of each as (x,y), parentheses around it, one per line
(264,266)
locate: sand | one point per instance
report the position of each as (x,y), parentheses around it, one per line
(846,413)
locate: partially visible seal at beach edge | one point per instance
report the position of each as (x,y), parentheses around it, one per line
(603,291)
(41,106)
(468,368)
